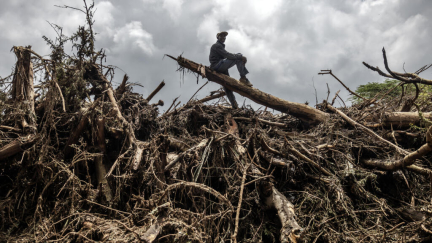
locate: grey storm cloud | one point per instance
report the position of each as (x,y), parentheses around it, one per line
(287,42)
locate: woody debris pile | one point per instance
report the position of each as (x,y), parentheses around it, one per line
(83,161)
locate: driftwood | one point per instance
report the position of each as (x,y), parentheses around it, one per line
(22,88)
(22,97)
(365,129)
(122,87)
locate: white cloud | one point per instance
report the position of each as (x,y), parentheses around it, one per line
(207,30)
(133,36)
(103,14)
(173,7)
(266,9)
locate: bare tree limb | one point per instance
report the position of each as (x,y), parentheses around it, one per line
(323,72)
(159,87)
(404,77)
(211,97)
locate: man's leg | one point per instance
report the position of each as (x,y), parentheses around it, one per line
(227,64)
(223,67)
(243,71)
(241,68)
(231,97)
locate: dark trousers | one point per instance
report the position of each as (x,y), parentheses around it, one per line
(223,67)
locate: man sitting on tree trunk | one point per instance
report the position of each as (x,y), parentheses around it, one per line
(221,61)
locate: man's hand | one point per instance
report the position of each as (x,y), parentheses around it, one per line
(244,59)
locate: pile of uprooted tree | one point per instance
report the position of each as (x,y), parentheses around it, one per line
(83,162)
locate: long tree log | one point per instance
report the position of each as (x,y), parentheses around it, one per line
(404,119)
(304,112)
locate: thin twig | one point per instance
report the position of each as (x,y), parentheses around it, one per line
(197,92)
(234,236)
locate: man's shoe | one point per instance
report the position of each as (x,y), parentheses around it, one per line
(245,81)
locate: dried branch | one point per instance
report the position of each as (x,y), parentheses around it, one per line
(159,87)
(323,72)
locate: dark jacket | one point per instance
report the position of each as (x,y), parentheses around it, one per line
(218,52)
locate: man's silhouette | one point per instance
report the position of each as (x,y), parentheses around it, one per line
(221,61)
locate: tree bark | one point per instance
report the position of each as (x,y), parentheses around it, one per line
(404,119)
(99,164)
(22,83)
(304,112)
(17,146)
(161,85)
(122,88)
(23,88)
(290,231)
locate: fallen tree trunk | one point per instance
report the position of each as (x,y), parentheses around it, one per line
(304,112)
(404,119)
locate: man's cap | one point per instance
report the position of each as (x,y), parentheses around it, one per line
(223,33)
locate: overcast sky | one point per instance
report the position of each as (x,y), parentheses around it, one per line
(286,42)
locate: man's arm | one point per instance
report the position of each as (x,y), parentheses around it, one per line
(221,51)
